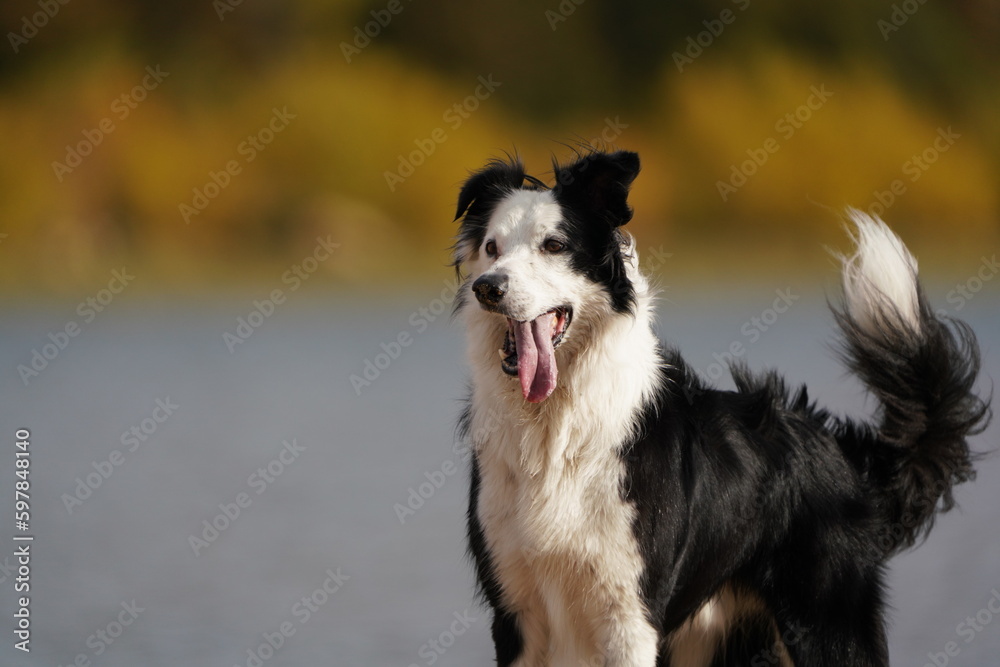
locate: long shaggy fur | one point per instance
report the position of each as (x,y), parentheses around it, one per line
(921,368)
(624,513)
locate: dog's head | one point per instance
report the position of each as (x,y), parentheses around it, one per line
(544,262)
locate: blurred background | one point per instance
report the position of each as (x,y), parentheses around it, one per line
(243,208)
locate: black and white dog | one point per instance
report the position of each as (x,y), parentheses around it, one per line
(622,513)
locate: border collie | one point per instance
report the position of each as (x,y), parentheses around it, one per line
(623,513)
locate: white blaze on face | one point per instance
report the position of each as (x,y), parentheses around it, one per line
(538,282)
(520,225)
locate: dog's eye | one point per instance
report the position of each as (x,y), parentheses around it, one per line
(554,246)
(491,248)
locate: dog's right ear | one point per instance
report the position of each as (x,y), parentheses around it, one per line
(488,184)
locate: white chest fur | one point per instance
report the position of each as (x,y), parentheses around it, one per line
(551,508)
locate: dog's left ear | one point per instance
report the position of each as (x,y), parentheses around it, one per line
(600,182)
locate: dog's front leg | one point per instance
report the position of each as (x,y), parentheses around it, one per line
(535,639)
(628,640)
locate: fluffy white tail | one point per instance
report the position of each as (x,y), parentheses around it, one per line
(921,368)
(880,278)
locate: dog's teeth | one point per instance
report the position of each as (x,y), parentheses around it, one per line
(502,355)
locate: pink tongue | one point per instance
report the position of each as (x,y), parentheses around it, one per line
(536,362)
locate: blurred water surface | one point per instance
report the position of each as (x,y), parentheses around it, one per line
(321,547)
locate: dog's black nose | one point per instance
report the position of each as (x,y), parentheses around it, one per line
(490,289)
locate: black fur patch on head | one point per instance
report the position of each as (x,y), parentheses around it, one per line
(480,194)
(593,195)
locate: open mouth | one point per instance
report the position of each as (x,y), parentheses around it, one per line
(529,351)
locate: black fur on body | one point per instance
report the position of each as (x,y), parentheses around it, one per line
(755,496)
